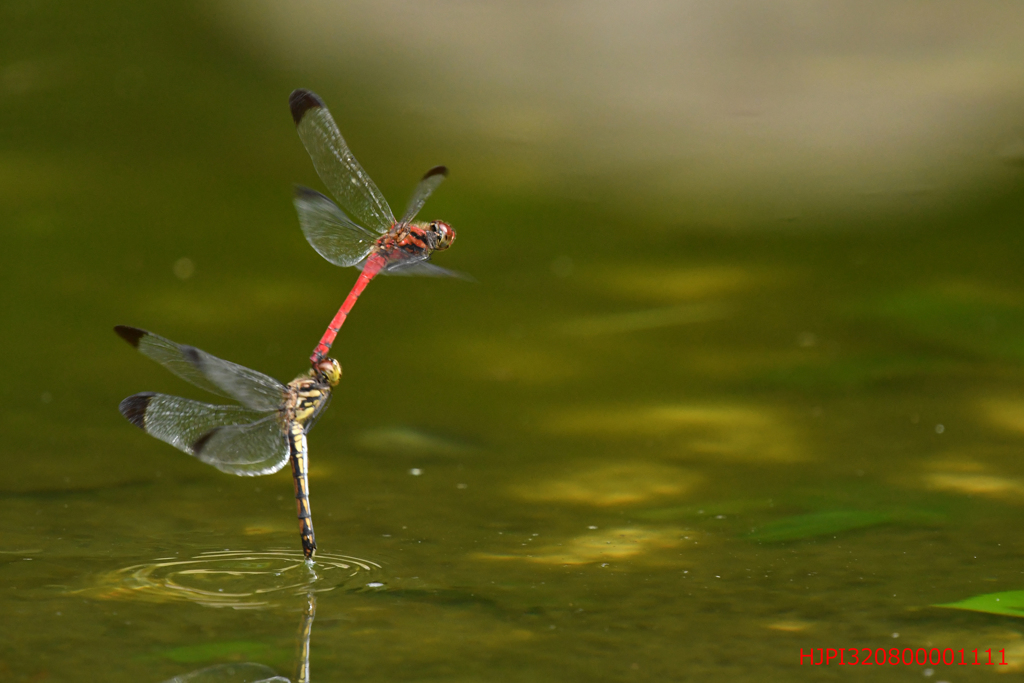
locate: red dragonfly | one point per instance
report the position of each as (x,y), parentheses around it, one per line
(374,241)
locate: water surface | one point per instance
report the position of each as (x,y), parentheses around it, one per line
(635,449)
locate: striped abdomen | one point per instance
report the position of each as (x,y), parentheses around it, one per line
(310,398)
(300,474)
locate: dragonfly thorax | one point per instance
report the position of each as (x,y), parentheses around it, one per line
(415,240)
(306,397)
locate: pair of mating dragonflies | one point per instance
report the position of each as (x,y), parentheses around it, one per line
(268,429)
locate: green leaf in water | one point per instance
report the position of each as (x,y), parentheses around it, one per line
(634,321)
(816,524)
(1008,602)
(968,315)
(709,510)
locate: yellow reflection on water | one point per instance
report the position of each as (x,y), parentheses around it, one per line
(976,484)
(725,431)
(616,484)
(600,546)
(1014,653)
(790,626)
(963,475)
(1005,413)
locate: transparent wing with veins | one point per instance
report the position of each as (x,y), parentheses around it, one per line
(335,164)
(231,438)
(329,231)
(417,264)
(423,268)
(248,450)
(423,190)
(252,389)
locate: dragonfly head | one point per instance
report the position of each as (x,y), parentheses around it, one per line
(328,370)
(444,234)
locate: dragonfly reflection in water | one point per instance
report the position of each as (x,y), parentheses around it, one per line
(372,240)
(259,437)
(259,673)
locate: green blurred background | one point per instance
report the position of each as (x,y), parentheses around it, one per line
(741,373)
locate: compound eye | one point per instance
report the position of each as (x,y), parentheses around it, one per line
(330,369)
(445,234)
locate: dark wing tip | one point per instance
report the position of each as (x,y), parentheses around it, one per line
(193,356)
(301,101)
(132,335)
(437,170)
(134,408)
(302,192)
(201,442)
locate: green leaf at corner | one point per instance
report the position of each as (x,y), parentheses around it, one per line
(1010,603)
(816,524)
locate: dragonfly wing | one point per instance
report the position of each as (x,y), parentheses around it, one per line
(330,231)
(424,268)
(396,262)
(231,438)
(247,450)
(423,190)
(336,165)
(252,389)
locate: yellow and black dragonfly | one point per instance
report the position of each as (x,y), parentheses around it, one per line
(259,437)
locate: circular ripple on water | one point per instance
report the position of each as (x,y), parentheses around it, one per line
(240,579)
